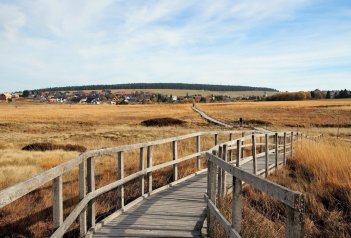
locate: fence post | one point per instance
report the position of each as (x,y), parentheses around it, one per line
(121,176)
(238,152)
(254,162)
(267,154)
(91,188)
(57,202)
(142,166)
(224,179)
(175,157)
(236,205)
(242,143)
(294,221)
(230,158)
(291,144)
(219,186)
(261,147)
(82,193)
(211,192)
(276,149)
(216,139)
(284,148)
(198,149)
(149,165)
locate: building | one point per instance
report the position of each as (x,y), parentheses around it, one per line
(5,97)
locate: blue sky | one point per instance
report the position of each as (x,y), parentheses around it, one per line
(284,44)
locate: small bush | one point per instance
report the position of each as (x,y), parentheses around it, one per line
(50,146)
(163,122)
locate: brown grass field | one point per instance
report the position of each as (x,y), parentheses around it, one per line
(101,126)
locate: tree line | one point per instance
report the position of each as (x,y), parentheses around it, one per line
(317,94)
(177,86)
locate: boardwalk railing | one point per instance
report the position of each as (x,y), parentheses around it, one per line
(88,193)
(220,162)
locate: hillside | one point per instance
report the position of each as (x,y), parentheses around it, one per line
(177,86)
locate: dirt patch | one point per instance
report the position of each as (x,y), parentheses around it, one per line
(50,146)
(166,121)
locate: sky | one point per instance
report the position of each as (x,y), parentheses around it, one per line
(289,45)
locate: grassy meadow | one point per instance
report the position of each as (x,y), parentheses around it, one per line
(102,126)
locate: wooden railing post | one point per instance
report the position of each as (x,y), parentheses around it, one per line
(294,221)
(149,165)
(284,148)
(230,158)
(276,149)
(142,166)
(261,147)
(175,157)
(267,155)
(238,152)
(121,176)
(254,162)
(198,149)
(57,202)
(236,205)
(91,188)
(224,179)
(211,192)
(219,187)
(216,139)
(242,143)
(291,144)
(82,193)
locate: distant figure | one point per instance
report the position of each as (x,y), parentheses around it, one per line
(241,121)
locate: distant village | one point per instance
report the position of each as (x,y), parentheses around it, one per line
(143,97)
(116,98)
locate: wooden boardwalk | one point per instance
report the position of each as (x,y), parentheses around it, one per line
(176,212)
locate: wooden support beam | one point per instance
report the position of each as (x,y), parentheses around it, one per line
(211,193)
(91,188)
(284,148)
(295,221)
(175,157)
(149,165)
(198,149)
(276,150)
(238,152)
(230,156)
(242,143)
(267,155)
(141,167)
(254,162)
(224,180)
(237,204)
(216,139)
(219,186)
(121,176)
(82,194)
(57,202)
(291,144)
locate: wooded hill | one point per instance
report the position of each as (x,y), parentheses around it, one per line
(177,86)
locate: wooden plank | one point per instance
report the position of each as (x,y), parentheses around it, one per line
(254,162)
(57,202)
(237,204)
(284,152)
(238,152)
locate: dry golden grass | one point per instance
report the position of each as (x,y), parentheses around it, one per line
(101,126)
(323,113)
(322,171)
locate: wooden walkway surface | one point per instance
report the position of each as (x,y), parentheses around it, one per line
(176,212)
